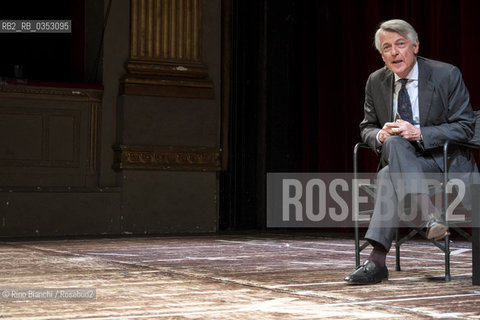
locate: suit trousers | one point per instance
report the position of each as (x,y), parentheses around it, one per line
(403,172)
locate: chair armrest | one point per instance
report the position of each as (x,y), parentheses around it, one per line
(447,144)
(355,154)
(361,145)
(446,147)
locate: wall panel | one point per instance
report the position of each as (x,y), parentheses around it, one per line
(48,136)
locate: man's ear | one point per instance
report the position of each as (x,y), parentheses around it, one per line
(416,47)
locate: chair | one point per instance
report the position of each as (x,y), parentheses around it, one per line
(370,189)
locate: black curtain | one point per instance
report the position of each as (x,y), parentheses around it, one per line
(241,192)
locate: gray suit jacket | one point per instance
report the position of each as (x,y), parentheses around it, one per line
(444,107)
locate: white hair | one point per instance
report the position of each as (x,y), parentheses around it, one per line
(399,26)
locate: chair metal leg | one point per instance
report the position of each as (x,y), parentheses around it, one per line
(357,236)
(445,206)
(397,258)
(476,236)
(357,246)
(447,259)
(397,252)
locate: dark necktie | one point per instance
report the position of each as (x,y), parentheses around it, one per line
(404,105)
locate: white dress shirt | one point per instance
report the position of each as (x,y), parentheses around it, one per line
(412,89)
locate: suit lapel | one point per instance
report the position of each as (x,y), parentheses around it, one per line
(425,91)
(386,87)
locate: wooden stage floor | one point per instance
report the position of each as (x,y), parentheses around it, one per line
(263,276)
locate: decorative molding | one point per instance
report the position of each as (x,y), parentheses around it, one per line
(165,50)
(49,93)
(167,158)
(152,86)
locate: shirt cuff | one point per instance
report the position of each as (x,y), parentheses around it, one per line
(378,140)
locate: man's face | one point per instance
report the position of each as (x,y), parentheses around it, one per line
(398,53)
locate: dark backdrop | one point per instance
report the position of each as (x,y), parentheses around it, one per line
(299,69)
(334,54)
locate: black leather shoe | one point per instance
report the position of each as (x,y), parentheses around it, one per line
(367,273)
(436,229)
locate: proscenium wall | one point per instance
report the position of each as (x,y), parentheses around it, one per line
(173,192)
(109,195)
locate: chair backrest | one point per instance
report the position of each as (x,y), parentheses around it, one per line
(476,137)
